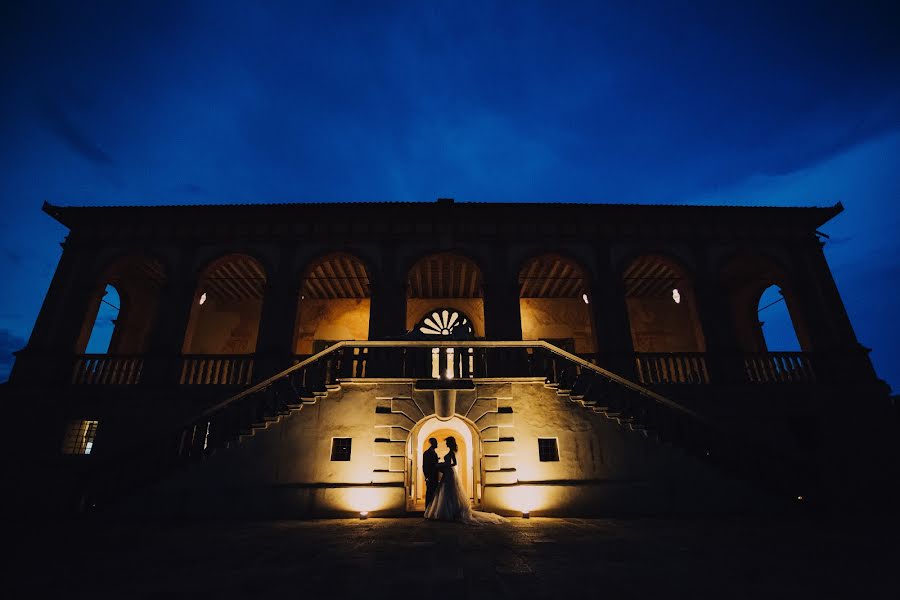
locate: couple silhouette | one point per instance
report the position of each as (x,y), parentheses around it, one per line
(445,498)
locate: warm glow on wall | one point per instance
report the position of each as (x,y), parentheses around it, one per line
(367,499)
(526,498)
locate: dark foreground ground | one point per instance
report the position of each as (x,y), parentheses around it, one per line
(412,558)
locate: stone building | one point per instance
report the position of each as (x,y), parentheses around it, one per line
(293,360)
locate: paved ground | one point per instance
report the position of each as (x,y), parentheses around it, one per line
(412,558)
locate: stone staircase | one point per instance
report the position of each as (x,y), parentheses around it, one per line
(631,406)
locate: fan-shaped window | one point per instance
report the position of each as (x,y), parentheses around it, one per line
(448,323)
(445,324)
(445,279)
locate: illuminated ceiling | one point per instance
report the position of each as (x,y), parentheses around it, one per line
(445,276)
(337,276)
(551,276)
(651,277)
(234,279)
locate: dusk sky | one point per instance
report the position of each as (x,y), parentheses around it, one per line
(214,102)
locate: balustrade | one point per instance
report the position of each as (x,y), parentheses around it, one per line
(425,360)
(216,369)
(779,367)
(106,369)
(671,368)
(630,404)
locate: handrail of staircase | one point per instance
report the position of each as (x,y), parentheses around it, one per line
(455,344)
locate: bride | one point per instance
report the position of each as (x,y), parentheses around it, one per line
(451,503)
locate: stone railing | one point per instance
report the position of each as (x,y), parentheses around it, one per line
(216,369)
(671,367)
(630,404)
(107,369)
(779,367)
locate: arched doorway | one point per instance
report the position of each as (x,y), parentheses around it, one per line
(469,441)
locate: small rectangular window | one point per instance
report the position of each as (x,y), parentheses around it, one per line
(79,438)
(548,449)
(340,449)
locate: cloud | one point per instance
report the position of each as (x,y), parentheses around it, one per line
(60,124)
(9,343)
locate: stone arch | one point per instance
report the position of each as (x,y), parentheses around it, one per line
(227,306)
(445,279)
(745,278)
(138,280)
(553,302)
(662,307)
(469,439)
(334,302)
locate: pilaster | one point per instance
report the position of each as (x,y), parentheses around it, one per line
(502,312)
(609,312)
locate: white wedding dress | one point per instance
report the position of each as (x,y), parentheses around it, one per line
(451,503)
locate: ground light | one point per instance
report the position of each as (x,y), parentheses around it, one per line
(363,515)
(526,514)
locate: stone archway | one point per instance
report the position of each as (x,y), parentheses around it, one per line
(469,440)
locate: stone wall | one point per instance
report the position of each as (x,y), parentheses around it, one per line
(337,319)
(603,469)
(223,327)
(558,318)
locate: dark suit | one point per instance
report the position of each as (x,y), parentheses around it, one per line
(430,470)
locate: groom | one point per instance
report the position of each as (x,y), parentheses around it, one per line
(430,470)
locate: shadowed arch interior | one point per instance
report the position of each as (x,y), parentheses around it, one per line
(748,280)
(137,281)
(662,309)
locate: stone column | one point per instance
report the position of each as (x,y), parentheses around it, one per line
(609,312)
(724,358)
(839,356)
(48,356)
(162,361)
(502,313)
(387,311)
(274,344)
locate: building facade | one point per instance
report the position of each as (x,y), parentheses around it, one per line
(294,359)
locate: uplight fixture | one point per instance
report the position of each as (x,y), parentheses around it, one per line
(363,515)
(526,514)
(202,298)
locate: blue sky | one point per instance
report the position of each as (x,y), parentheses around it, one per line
(204,102)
